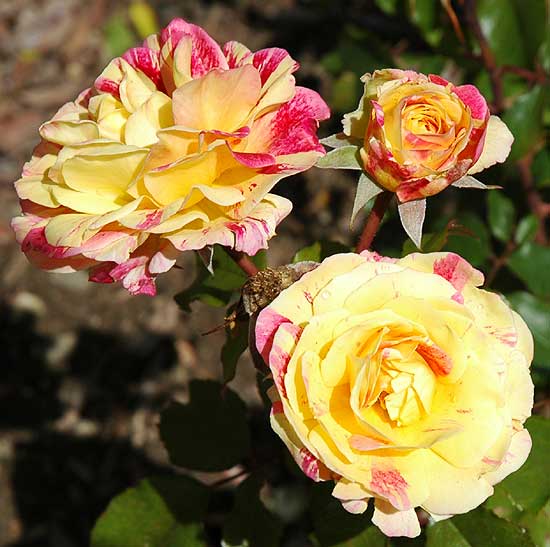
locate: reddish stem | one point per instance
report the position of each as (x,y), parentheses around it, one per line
(243,261)
(534,199)
(373,221)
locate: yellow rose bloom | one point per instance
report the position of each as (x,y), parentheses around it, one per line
(176,147)
(400,380)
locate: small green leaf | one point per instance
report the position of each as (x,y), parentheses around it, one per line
(424,14)
(320,250)
(527,229)
(235,345)
(160,512)
(524,119)
(366,190)
(471,182)
(387,6)
(531,263)
(536,313)
(479,528)
(338,140)
(346,157)
(250,523)
(412,214)
(502,215)
(210,432)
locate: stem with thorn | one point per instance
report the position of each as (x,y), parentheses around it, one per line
(373,221)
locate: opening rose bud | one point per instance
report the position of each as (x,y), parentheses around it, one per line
(176,147)
(400,380)
(422,133)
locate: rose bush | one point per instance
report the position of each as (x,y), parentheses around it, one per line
(401,381)
(176,147)
(421,133)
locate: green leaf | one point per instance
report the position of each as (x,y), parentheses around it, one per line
(544,52)
(500,26)
(332,524)
(346,157)
(320,250)
(533,22)
(539,525)
(366,190)
(210,432)
(118,36)
(527,229)
(524,119)
(250,523)
(531,263)
(528,489)
(217,289)
(536,313)
(236,342)
(387,6)
(479,528)
(412,214)
(541,168)
(160,512)
(338,140)
(346,91)
(502,215)
(424,14)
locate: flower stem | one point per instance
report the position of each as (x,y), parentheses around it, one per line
(373,222)
(243,261)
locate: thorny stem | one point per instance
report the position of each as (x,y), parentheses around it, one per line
(534,199)
(373,221)
(243,261)
(487,55)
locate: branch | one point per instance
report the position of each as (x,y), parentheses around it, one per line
(243,261)
(537,205)
(487,55)
(373,221)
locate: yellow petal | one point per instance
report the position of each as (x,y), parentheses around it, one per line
(222,100)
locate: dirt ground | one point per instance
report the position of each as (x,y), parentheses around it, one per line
(85,368)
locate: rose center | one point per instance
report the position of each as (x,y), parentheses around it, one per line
(398,379)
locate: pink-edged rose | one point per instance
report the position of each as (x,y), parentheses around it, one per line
(176,147)
(422,133)
(400,380)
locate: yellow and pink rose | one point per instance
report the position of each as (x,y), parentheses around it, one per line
(401,381)
(176,147)
(419,134)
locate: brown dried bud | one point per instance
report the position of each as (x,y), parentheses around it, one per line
(262,288)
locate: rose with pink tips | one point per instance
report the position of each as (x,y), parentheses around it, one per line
(176,147)
(402,381)
(414,135)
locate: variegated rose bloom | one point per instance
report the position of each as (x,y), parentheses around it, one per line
(400,380)
(176,147)
(421,133)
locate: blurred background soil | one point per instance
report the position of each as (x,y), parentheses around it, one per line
(86,368)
